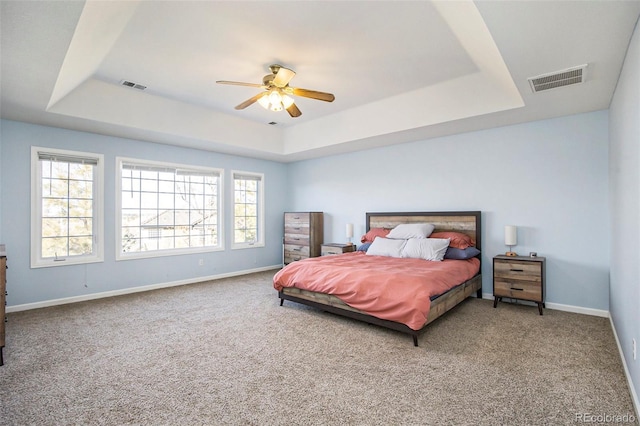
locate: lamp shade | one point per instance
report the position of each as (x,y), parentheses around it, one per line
(510,235)
(349,230)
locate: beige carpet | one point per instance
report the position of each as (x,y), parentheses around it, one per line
(225,352)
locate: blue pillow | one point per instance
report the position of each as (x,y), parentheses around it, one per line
(461,254)
(364,247)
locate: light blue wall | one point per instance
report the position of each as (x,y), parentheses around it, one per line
(28,285)
(624,181)
(548,177)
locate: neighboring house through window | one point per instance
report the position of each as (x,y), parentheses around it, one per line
(66,207)
(167,209)
(248,209)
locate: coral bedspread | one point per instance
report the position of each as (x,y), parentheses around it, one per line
(389,288)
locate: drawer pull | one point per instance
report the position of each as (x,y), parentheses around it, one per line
(297,217)
(297,249)
(516,270)
(517,289)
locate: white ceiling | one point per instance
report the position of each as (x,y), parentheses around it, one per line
(400,71)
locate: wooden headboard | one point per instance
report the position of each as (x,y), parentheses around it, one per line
(464,222)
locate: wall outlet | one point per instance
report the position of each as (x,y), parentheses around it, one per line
(633,341)
(201,262)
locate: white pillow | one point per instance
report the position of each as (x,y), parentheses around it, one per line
(411,230)
(386,247)
(426,248)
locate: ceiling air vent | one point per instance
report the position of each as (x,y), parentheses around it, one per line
(132,85)
(561,78)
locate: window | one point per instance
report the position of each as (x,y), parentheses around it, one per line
(66,212)
(248,210)
(166,209)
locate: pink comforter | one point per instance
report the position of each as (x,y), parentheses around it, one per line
(389,288)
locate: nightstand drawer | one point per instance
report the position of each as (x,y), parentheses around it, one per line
(519,270)
(516,289)
(336,248)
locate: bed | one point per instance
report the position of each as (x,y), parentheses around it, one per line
(331,272)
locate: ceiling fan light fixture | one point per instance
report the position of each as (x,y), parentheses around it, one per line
(275,101)
(287,101)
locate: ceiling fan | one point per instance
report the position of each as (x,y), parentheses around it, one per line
(277,90)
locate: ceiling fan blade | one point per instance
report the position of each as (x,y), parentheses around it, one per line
(283,77)
(294,111)
(238,83)
(251,100)
(321,96)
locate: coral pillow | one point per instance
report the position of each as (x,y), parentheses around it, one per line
(458,240)
(373,233)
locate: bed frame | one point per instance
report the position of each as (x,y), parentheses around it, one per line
(465,222)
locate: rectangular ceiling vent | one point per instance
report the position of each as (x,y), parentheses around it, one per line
(561,78)
(132,85)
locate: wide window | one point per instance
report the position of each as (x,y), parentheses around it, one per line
(248,209)
(167,209)
(66,222)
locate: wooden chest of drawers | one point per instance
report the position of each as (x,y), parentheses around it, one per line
(519,277)
(303,235)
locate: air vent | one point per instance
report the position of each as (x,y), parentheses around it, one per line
(561,78)
(132,85)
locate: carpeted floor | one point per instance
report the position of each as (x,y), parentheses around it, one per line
(225,352)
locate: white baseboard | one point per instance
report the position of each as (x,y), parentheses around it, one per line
(561,307)
(632,389)
(93,296)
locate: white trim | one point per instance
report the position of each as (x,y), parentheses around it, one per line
(561,307)
(632,389)
(93,296)
(36,261)
(119,255)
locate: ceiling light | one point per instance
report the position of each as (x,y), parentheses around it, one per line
(275,101)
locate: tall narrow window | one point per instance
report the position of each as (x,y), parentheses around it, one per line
(66,207)
(248,209)
(167,209)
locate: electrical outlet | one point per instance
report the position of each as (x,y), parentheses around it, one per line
(634,348)
(201,262)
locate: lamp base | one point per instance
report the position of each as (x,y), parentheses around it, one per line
(511,254)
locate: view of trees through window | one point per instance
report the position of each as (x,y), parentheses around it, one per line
(165,208)
(245,209)
(67,208)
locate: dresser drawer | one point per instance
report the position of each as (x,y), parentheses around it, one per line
(519,270)
(526,290)
(295,249)
(295,219)
(296,239)
(292,257)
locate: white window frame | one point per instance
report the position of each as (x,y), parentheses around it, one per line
(37,261)
(260,205)
(120,255)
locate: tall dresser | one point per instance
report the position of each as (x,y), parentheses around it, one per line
(3,298)
(303,235)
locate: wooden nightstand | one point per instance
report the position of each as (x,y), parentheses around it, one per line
(336,248)
(519,277)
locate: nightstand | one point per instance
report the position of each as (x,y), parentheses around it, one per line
(519,277)
(336,248)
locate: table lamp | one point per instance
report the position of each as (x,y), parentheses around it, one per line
(510,239)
